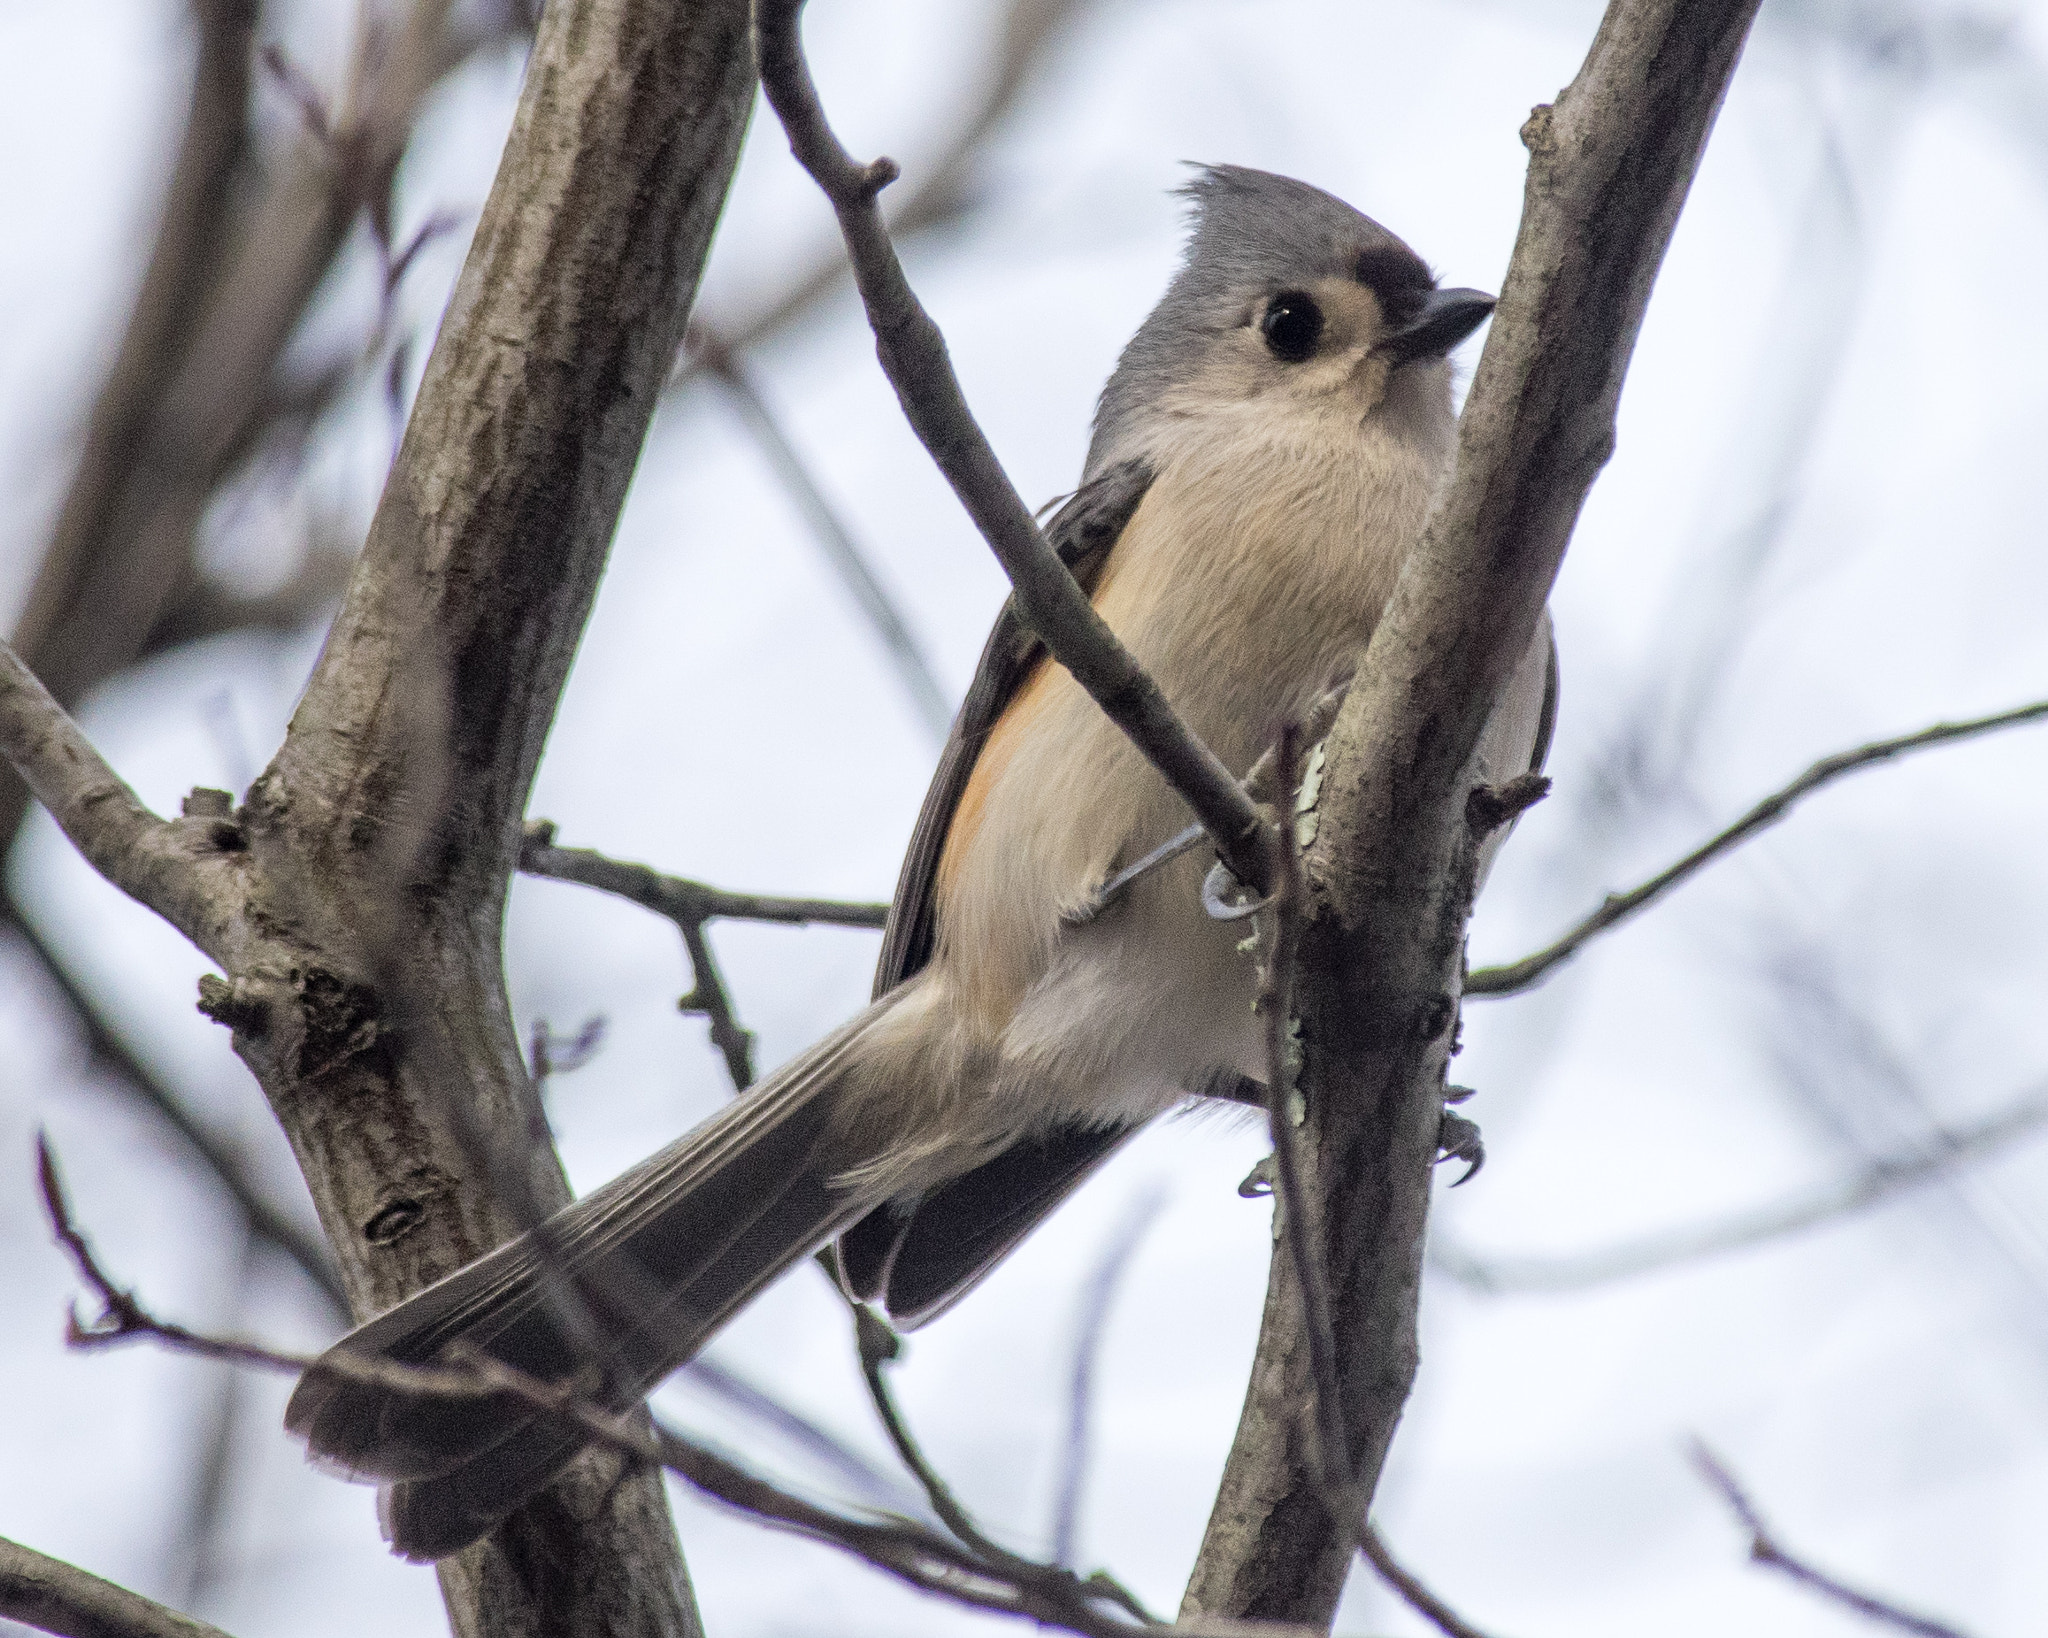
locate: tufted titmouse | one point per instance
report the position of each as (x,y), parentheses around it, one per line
(1262,460)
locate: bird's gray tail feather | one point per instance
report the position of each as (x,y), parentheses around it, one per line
(614,1291)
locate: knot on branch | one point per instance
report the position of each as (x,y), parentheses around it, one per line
(1489,807)
(1433,1016)
(1536,128)
(402,1206)
(877,1341)
(207,803)
(338,1021)
(237,1004)
(876,175)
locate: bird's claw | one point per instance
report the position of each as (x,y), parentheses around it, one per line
(1458,1139)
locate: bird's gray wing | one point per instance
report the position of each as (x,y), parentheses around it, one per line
(994,1206)
(1082,532)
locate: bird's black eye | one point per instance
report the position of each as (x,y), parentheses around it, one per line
(1293,325)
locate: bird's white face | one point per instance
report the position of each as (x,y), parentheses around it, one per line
(1315,351)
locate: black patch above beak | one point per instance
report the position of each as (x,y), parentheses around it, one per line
(1446,318)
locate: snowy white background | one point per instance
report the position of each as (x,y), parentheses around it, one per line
(1823,525)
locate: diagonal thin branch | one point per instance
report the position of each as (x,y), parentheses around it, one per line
(913,356)
(941,197)
(1765,1549)
(1094,1308)
(1655,1253)
(1413,1593)
(899,642)
(53,1596)
(1531,970)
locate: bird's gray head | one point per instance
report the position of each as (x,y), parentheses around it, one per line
(1289,299)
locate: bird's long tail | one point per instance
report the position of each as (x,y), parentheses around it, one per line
(614,1291)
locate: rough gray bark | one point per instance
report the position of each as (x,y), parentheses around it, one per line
(1390,872)
(418,735)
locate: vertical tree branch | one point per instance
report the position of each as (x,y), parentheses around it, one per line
(1390,873)
(365,983)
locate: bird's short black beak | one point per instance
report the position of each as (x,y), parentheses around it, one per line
(1446,318)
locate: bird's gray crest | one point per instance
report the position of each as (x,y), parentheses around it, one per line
(1252,233)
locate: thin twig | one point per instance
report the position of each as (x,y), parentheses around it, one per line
(1655,1253)
(842,551)
(1764,1548)
(690,905)
(1413,1593)
(995,1581)
(677,897)
(1283,1099)
(913,356)
(53,1596)
(1619,907)
(877,1344)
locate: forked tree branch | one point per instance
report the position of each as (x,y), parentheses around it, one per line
(913,357)
(1531,970)
(1391,870)
(690,905)
(52,1596)
(940,195)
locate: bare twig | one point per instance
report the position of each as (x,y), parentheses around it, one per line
(677,897)
(690,905)
(1654,1253)
(906,653)
(877,1345)
(1286,1109)
(913,356)
(192,392)
(941,195)
(1764,1548)
(52,1596)
(1413,1593)
(991,1580)
(1619,907)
